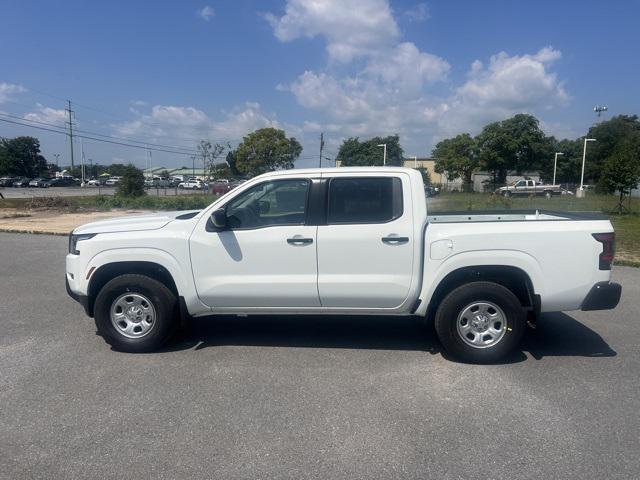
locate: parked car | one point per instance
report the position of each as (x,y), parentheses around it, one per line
(39,183)
(431,191)
(21,182)
(341,241)
(7,181)
(112,181)
(156,182)
(221,187)
(93,183)
(529,187)
(192,184)
(62,182)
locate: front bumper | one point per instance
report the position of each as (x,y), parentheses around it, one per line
(81,299)
(602,296)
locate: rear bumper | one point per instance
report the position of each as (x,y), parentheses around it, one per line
(602,296)
(81,299)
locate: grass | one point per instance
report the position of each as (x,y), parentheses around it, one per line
(566,203)
(627,226)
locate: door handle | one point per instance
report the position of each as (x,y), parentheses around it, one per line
(299,241)
(394,240)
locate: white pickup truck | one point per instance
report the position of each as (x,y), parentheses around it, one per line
(344,241)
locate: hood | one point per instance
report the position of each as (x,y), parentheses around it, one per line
(135,223)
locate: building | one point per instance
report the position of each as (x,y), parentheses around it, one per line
(436,178)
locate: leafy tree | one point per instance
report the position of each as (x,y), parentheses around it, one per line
(426,178)
(164,173)
(21,156)
(621,170)
(354,153)
(609,134)
(458,156)
(117,169)
(231,161)
(265,150)
(516,143)
(132,182)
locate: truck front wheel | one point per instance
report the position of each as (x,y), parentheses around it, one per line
(135,313)
(480,322)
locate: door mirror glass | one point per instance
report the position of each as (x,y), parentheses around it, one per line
(219,218)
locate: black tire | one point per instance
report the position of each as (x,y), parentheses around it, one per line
(548,194)
(453,305)
(162,299)
(507,194)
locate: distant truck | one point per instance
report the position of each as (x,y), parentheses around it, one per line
(530,187)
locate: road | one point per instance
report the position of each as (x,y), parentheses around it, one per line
(84,191)
(274,397)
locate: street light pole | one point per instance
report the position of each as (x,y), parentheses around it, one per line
(555,165)
(580,192)
(384,157)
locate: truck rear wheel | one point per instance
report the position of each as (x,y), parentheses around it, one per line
(135,313)
(480,322)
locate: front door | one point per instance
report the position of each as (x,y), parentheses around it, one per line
(266,257)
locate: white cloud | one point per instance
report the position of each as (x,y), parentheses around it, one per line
(9,90)
(508,85)
(419,13)
(50,115)
(351,27)
(191,124)
(206,13)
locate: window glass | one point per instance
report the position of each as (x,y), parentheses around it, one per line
(279,202)
(364,200)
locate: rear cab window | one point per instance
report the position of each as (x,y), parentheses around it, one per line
(364,200)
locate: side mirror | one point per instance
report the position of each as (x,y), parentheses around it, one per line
(219,218)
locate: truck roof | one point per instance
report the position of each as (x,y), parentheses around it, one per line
(315,171)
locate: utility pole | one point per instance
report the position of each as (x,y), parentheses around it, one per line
(69,111)
(384,156)
(580,192)
(555,166)
(82,162)
(321,147)
(57,155)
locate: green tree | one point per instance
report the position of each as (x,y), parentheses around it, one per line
(231,161)
(21,156)
(621,170)
(209,153)
(516,143)
(132,182)
(457,156)
(117,169)
(265,150)
(354,153)
(609,134)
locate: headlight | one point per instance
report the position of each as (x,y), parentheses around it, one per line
(74,239)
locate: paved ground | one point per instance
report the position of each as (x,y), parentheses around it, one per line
(306,397)
(84,191)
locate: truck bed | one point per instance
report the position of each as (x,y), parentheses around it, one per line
(511,216)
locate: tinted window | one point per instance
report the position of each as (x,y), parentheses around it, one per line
(280,202)
(364,200)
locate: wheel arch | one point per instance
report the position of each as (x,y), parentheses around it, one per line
(111,270)
(511,277)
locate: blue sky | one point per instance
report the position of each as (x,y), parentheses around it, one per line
(172,72)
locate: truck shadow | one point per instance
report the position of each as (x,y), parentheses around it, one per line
(558,334)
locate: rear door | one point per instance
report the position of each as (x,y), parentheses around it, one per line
(365,251)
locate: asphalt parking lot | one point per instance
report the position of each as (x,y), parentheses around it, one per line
(86,191)
(273,397)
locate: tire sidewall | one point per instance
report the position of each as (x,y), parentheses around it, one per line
(163,303)
(460,298)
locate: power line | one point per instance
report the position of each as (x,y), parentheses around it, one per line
(86,137)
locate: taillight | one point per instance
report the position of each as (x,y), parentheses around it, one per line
(608,241)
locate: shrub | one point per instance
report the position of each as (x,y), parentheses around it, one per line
(132,183)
